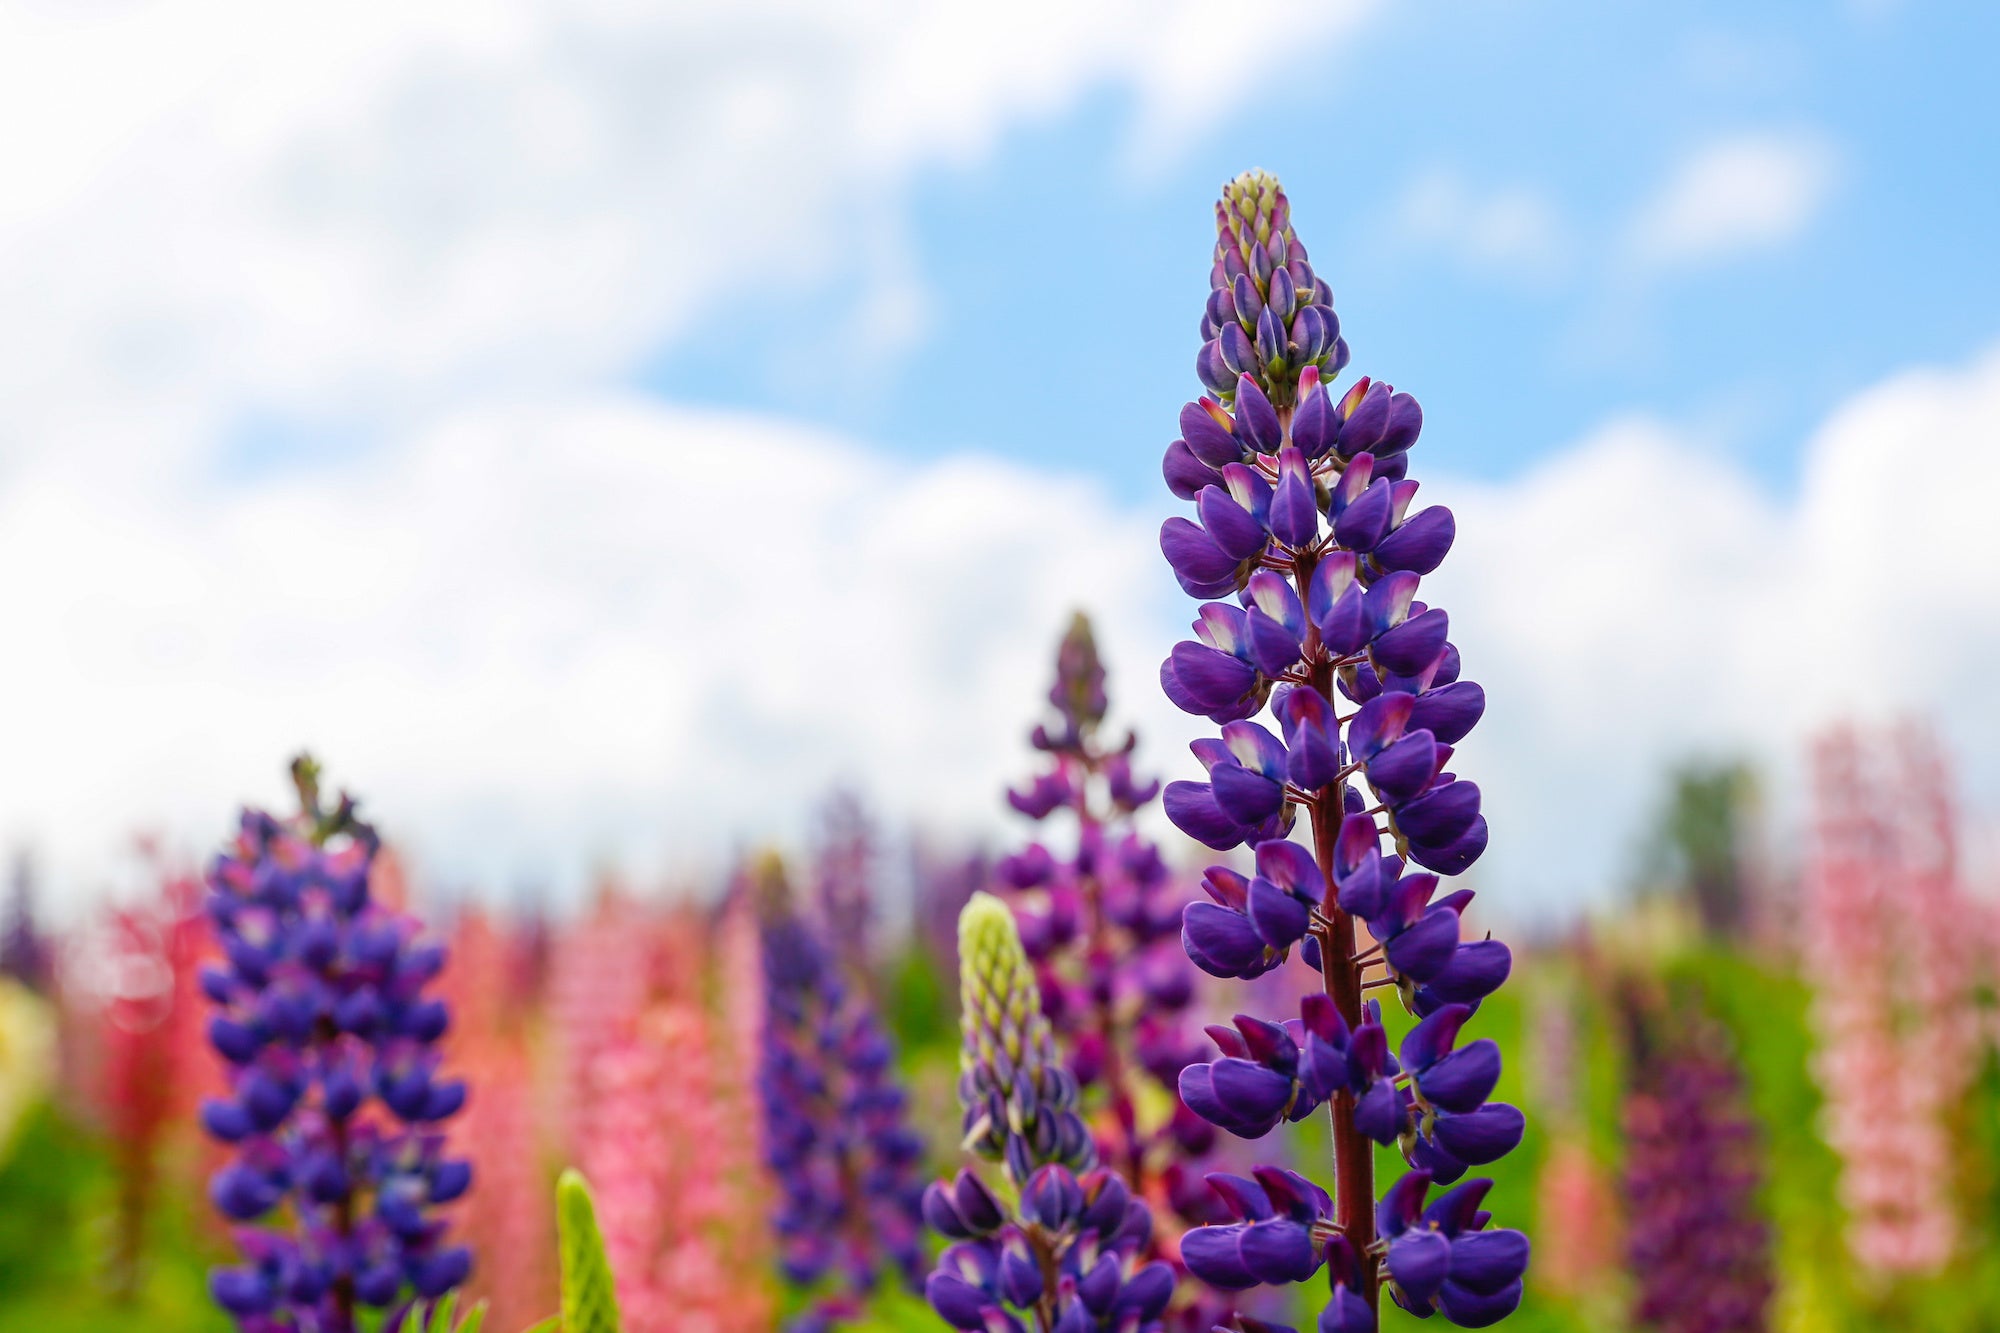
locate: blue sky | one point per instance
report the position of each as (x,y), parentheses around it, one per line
(1062,277)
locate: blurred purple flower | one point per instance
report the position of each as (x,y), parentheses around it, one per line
(1697,1247)
(846,1164)
(336,1100)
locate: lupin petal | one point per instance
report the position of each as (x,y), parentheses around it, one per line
(1449,712)
(1229,525)
(1208,438)
(1186,474)
(1256,419)
(1420,543)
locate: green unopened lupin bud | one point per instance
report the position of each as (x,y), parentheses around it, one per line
(1253,209)
(1020,1104)
(1269,317)
(1000,1006)
(589,1301)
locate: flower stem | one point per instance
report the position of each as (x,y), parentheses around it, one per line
(1097,945)
(1353,1154)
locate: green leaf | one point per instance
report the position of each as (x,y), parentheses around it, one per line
(589,1302)
(441,1312)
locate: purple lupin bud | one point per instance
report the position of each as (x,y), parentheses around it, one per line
(1065,1248)
(336,1122)
(1270,319)
(1312,552)
(850,1200)
(1020,1100)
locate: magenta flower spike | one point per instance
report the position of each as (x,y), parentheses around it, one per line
(1698,1250)
(1338,697)
(1099,916)
(336,1104)
(1100,920)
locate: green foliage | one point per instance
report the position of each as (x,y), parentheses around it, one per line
(894,1310)
(442,1317)
(1697,843)
(589,1302)
(916,1004)
(56,1191)
(43,1185)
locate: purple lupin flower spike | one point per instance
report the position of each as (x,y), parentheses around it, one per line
(1100,923)
(844,868)
(335,1101)
(1302,515)
(846,1163)
(1696,1243)
(1060,1246)
(26,954)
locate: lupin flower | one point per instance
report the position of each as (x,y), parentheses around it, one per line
(1577,1240)
(1060,1248)
(490,987)
(1694,1240)
(843,879)
(1443,1258)
(336,1103)
(26,954)
(598,986)
(1886,948)
(835,1134)
(1099,924)
(152,1048)
(1020,1101)
(1268,314)
(1305,532)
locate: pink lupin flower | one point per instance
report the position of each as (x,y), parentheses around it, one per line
(597,990)
(1577,1224)
(661,1122)
(1576,1232)
(151,1065)
(621,1157)
(1885,946)
(513,1231)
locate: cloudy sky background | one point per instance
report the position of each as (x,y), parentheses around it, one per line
(595,428)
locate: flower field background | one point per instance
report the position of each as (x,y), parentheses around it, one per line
(673,672)
(1765,1095)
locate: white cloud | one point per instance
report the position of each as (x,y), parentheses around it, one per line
(218,206)
(546,632)
(1511,230)
(1745,192)
(394,225)
(1636,601)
